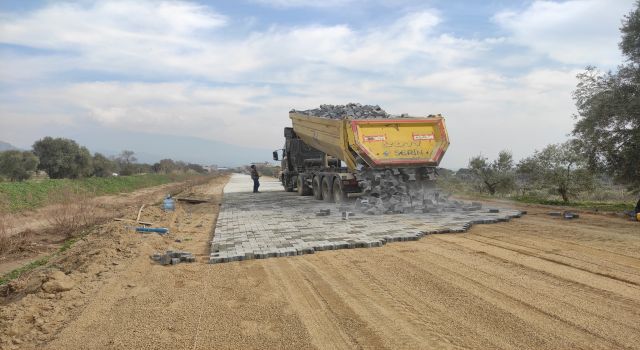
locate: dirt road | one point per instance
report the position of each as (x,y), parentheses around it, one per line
(539,282)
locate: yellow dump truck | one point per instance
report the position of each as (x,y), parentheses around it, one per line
(338,158)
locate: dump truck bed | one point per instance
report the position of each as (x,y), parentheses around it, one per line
(380,143)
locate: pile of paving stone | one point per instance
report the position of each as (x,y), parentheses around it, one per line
(173,257)
(396,191)
(416,202)
(350,110)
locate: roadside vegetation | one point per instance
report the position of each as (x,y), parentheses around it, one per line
(62,178)
(56,168)
(25,195)
(599,168)
(73,217)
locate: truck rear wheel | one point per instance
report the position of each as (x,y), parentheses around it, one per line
(338,195)
(327,194)
(290,184)
(301,184)
(317,191)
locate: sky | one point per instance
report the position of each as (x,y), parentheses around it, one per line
(224,74)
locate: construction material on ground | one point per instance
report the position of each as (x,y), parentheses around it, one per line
(136,221)
(277,224)
(140,212)
(160,230)
(569,215)
(168,204)
(192,200)
(347,214)
(173,257)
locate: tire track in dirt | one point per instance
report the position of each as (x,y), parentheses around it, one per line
(507,293)
(393,316)
(569,273)
(537,320)
(584,254)
(629,278)
(614,236)
(474,309)
(551,287)
(352,324)
(321,323)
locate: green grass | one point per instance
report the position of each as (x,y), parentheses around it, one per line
(19,196)
(42,261)
(26,268)
(587,205)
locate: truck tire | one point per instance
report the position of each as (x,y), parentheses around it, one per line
(317,190)
(289,187)
(327,193)
(301,185)
(338,195)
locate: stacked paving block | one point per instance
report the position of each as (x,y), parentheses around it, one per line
(173,257)
(279,224)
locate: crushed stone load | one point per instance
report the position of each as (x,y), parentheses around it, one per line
(350,110)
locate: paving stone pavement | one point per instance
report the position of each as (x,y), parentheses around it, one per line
(275,223)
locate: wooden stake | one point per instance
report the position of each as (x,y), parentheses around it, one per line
(140,213)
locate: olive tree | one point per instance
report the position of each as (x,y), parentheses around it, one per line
(103,166)
(62,158)
(17,165)
(495,176)
(126,162)
(608,119)
(560,168)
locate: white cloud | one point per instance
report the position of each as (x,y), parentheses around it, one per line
(305,3)
(180,68)
(167,40)
(577,32)
(120,23)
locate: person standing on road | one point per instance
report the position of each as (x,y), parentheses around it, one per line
(255,176)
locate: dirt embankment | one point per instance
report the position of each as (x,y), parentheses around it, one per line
(31,234)
(41,303)
(539,282)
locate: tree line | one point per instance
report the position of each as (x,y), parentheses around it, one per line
(606,135)
(62,158)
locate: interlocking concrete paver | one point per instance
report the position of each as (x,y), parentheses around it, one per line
(275,223)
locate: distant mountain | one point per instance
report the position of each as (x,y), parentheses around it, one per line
(5,146)
(150,148)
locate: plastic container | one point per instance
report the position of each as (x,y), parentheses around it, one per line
(168,204)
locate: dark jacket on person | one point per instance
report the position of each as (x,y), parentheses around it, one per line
(254,174)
